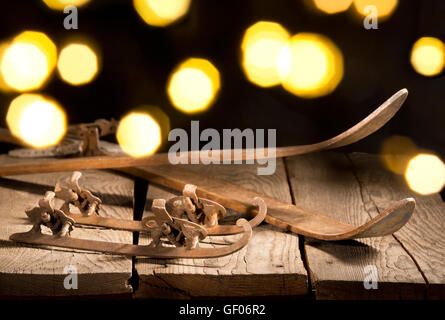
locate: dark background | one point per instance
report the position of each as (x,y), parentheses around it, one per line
(137,60)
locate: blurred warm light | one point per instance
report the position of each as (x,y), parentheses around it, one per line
(332,6)
(428,56)
(160,117)
(384,7)
(396,152)
(28,61)
(77,64)
(261,47)
(160,13)
(139,134)
(36,120)
(193,85)
(3,85)
(61,4)
(425,174)
(310,65)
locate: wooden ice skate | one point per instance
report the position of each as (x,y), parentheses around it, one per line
(171,236)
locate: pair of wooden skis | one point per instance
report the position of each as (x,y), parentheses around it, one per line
(289,217)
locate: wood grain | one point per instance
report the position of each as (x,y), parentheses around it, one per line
(326,182)
(31,271)
(269,266)
(423,234)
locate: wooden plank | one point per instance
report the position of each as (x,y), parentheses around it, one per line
(270,265)
(326,183)
(422,236)
(31,271)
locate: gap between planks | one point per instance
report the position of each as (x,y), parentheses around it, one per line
(324,182)
(292,279)
(362,190)
(301,238)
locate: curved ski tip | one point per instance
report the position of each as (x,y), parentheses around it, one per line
(388,222)
(410,202)
(401,94)
(403,91)
(403,207)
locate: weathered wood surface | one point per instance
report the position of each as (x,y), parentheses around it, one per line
(30,271)
(423,235)
(270,265)
(327,183)
(353,188)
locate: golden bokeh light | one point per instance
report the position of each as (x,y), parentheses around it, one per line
(396,152)
(425,174)
(139,134)
(160,117)
(27,61)
(160,13)
(36,120)
(193,85)
(428,56)
(3,85)
(261,47)
(310,66)
(77,64)
(332,6)
(384,7)
(61,4)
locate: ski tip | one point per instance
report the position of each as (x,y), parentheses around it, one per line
(408,203)
(400,95)
(388,222)
(403,91)
(410,200)
(404,207)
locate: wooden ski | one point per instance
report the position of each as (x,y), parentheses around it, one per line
(280,214)
(367,126)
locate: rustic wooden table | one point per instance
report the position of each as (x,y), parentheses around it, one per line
(353,188)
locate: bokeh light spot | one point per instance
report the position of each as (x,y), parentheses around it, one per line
(332,6)
(425,174)
(384,7)
(61,4)
(428,56)
(261,47)
(314,67)
(160,13)
(38,121)
(396,151)
(77,64)
(193,85)
(139,134)
(28,61)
